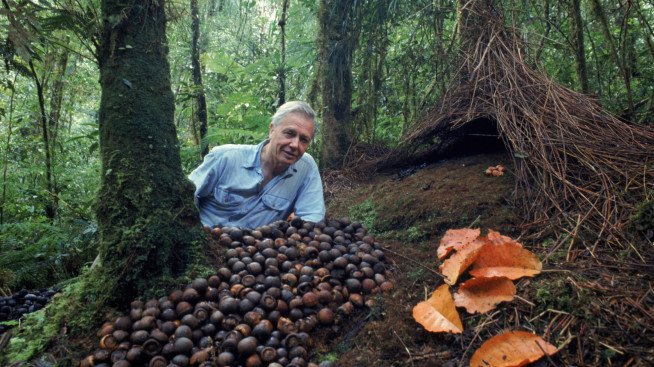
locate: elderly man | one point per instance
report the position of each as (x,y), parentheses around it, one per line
(253,185)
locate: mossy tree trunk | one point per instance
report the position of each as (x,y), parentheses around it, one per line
(337,40)
(146,217)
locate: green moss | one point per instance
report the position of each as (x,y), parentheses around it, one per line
(40,329)
(643,217)
(364,213)
(415,234)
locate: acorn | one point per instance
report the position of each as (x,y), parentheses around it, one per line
(386,286)
(357,299)
(158,361)
(120,335)
(123,323)
(183,308)
(181,360)
(268,354)
(191,321)
(226,358)
(325,316)
(139,337)
(108,342)
(183,345)
(263,330)
(135,354)
(253,361)
(151,347)
(183,331)
(87,362)
(200,357)
(247,346)
(101,355)
(244,329)
(231,340)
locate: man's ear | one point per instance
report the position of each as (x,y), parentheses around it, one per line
(270,128)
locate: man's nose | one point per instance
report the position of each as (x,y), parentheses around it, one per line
(295,142)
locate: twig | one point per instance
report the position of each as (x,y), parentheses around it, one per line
(525,301)
(612,348)
(413,261)
(405,347)
(545,353)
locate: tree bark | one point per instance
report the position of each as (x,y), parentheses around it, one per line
(337,38)
(613,50)
(548,27)
(56,95)
(281,73)
(147,221)
(200,115)
(580,51)
(5,158)
(52,202)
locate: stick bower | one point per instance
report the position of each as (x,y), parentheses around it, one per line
(575,165)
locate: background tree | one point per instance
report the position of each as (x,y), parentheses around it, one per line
(580,50)
(337,39)
(281,74)
(199,120)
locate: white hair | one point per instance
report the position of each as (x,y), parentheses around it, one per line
(295,107)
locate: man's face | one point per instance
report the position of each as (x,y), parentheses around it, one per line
(290,139)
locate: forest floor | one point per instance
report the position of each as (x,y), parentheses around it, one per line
(597,310)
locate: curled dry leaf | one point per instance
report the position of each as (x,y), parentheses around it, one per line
(511,349)
(438,313)
(505,260)
(454,239)
(461,260)
(483,294)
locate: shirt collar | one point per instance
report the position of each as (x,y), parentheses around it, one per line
(253,160)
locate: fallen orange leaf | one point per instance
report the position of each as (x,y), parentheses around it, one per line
(454,239)
(506,259)
(497,238)
(438,313)
(483,294)
(511,349)
(461,260)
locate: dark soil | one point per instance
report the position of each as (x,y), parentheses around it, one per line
(598,312)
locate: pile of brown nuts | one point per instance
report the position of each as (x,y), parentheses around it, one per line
(280,282)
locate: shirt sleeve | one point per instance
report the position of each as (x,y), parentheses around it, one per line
(205,176)
(310,203)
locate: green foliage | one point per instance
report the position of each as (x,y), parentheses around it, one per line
(416,274)
(39,255)
(643,218)
(415,234)
(364,213)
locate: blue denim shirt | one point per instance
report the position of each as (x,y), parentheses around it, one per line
(228,192)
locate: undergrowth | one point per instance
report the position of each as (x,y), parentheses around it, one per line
(39,255)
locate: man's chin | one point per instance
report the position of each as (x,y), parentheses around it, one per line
(289,159)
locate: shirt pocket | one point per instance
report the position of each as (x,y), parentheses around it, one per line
(275,202)
(226,199)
